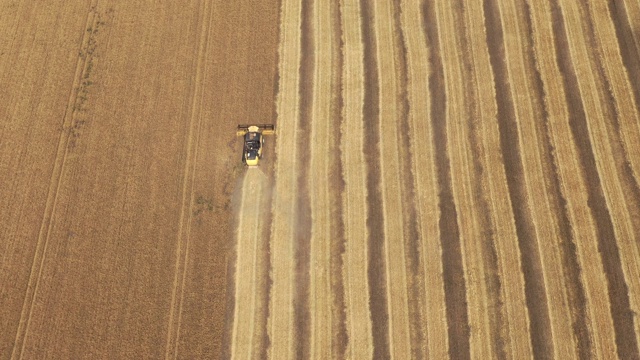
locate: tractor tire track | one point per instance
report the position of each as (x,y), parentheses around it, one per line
(184,229)
(428,288)
(263,341)
(355,209)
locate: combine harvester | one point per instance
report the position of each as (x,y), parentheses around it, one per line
(253,141)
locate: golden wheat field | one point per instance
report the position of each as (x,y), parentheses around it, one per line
(448,179)
(117,168)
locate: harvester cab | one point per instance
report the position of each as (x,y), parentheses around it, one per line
(254,141)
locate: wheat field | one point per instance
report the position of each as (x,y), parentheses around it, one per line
(117,171)
(448,179)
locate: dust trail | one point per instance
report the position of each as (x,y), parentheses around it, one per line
(249,269)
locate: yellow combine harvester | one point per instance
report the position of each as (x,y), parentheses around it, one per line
(253,141)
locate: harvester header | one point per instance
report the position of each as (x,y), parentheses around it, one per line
(264,129)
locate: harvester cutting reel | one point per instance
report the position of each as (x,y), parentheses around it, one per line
(265,129)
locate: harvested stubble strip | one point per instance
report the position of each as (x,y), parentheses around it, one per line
(392,209)
(359,330)
(321,294)
(623,127)
(534,152)
(281,322)
(619,75)
(615,213)
(563,104)
(481,344)
(431,288)
(246,279)
(515,335)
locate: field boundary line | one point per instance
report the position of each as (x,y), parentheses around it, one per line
(302,221)
(52,195)
(184,227)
